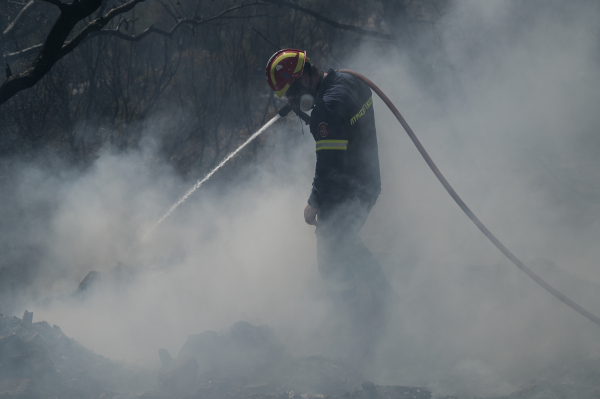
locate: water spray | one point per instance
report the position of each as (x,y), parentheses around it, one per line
(284,111)
(212,172)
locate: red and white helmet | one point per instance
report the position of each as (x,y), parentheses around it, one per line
(284,67)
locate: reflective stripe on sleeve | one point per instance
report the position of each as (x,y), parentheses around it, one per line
(332,145)
(339,287)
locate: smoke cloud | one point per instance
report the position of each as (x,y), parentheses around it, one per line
(515,131)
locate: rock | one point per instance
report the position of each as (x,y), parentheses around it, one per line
(18,388)
(29,359)
(44,329)
(181,377)
(37,343)
(120,277)
(370,389)
(56,332)
(90,280)
(165,358)
(11,345)
(27,318)
(246,352)
(39,361)
(8,325)
(204,347)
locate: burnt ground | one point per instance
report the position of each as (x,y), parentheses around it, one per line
(574,380)
(39,361)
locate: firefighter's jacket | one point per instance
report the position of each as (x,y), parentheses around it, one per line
(343,125)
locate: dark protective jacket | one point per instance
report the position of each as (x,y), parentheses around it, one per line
(343,125)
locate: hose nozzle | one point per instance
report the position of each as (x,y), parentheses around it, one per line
(283,111)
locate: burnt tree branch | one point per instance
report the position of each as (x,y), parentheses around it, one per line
(275,47)
(54,48)
(196,21)
(96,25)
(18,20)
(328,21)
(22,53)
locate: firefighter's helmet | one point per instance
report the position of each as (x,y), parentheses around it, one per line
(284,67)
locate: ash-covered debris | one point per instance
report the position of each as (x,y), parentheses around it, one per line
(119,276)
(576,379)
(180,377)
(39,361)
(89,281)
(245,353)
(371,391)
(250,362)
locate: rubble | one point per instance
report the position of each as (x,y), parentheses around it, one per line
(247,362)
(575,379)
(180,377)
(250,362)
(119,276)
(39,361)
(89,281)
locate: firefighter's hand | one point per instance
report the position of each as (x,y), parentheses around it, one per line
(310,215)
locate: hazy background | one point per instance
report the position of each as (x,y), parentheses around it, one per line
(511,121)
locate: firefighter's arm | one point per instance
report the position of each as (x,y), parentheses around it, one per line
(331,138)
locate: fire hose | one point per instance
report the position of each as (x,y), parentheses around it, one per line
(457,199)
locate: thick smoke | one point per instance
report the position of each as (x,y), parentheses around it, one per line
(514,131)
(235,250)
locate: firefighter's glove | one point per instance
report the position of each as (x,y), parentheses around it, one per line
(283,111)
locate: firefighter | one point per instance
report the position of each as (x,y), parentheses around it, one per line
(347,181)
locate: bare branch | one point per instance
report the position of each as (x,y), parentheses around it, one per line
(22,53)
(97,25)
(133,38)
(50,53)
(121,35)
(16,23)
(55,47)
(276,47)
(328,21)
(197,7)
(168,10)
(169,33)
(200,21)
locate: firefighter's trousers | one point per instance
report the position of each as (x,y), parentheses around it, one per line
(342,255)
